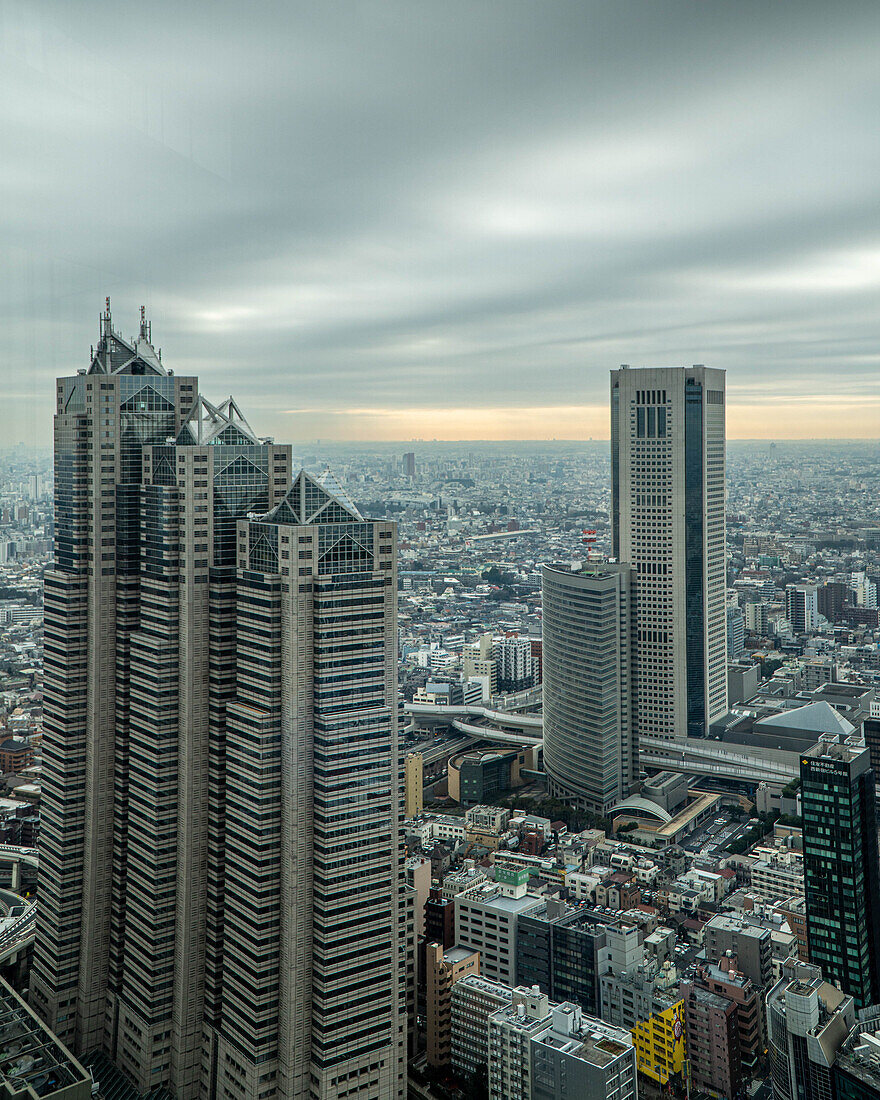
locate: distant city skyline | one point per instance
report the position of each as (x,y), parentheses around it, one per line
(452,220)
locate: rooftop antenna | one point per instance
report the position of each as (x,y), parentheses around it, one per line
(105,319)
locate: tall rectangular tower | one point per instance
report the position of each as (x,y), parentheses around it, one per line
(668,523)
(221,899)
(590,753)
(841,872)
(104,416)
(313,963)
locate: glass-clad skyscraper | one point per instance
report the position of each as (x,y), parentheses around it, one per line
(841,872)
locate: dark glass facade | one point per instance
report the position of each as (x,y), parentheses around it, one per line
(560,955)
(695,622)
(841,868)
(615,470)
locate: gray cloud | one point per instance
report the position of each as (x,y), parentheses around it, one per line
(380,206)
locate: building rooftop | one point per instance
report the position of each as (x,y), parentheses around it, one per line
(831,747)
(815,718)
(33,1061)
(860,1058)
(457,954)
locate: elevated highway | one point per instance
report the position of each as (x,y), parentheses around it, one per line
(10,854)
(710,759)
(18,927)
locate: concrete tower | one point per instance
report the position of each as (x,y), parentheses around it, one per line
(221,910)
(590,752)
(667,470)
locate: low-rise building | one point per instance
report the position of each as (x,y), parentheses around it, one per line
(660,1044)
(579,1056)
(747,939)
(779,876)
(486,918)
(712,1041)
(510,1030)
(486,825)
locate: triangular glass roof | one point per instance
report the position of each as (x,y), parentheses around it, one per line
(216,424)
(116,355)
(310,500)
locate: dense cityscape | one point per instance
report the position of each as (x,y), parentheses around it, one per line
(517,771)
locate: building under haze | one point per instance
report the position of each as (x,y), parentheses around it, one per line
(668,524)
(590,751)
(220,893)
(801,607)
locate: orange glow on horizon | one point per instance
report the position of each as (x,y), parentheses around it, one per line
(816,417)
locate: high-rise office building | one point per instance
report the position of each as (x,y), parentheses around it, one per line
(801,607)
(841,872)
(220,710)
(590,749)
(736,634)
(668,521)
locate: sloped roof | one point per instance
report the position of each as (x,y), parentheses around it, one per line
(116,355)
(314,500)
(215,424)
(813,718)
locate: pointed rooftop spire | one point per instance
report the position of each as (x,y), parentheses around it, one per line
(207,423)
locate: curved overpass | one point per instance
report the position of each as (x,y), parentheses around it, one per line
(17,932)
(9,853)
(15,856)
(493,733)
(440,712)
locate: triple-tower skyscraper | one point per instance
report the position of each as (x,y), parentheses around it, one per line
(221,910)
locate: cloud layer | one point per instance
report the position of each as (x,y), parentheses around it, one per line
(388,220)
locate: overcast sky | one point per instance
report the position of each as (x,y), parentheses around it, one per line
(447,219)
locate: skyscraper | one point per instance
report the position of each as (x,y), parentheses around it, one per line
(735,634)
(590,752)
(801,607)
(316,700)
(211,674)
(841,872)
(668,522)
